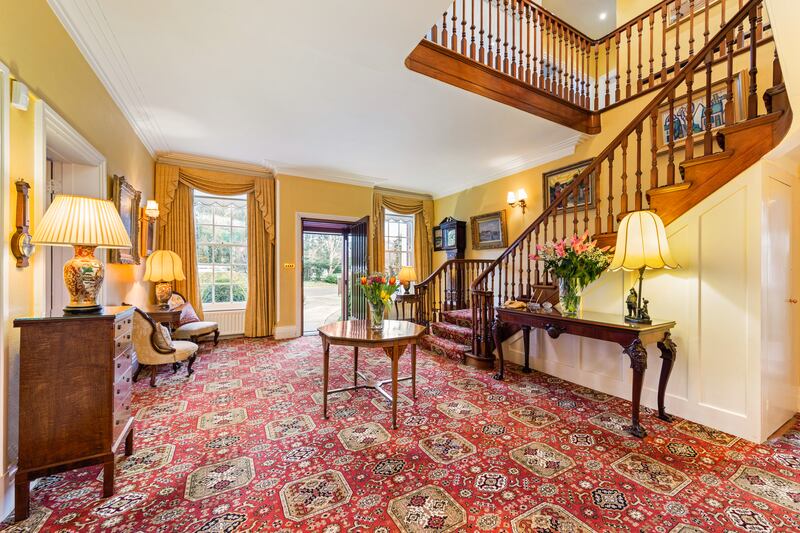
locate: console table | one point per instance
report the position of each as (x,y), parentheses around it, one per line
(605,327)
(395,336)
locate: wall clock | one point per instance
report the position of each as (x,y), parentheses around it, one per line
(21,245)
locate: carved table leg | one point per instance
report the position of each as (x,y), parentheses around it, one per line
(326,352)
(638,354)
(414,371)
(496,329)
(526,342)
(669,351)
(355,365)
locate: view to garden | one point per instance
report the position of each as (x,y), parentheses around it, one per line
(322,274)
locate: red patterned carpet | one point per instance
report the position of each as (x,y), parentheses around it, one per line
(242,446)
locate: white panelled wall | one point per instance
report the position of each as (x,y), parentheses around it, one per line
(736,369)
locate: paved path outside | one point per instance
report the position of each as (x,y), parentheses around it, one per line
(322,305)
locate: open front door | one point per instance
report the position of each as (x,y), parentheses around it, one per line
(356,263)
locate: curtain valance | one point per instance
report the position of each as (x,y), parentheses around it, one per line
(422,209)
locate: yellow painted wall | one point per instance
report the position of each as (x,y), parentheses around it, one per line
(39,52)
(304,195)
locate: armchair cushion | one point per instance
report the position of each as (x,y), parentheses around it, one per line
(147,353)
(195,329)
(188,314)
(162,338)
(184,350)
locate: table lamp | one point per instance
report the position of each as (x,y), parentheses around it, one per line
(85,224)
(641,245)
(406,275)
(163,267)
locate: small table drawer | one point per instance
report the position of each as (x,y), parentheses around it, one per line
(122,363)
(123,325)
(122,342)
(122,390)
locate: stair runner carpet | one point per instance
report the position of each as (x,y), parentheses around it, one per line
(452,337)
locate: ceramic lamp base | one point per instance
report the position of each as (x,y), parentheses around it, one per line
(83,276)
(163,294)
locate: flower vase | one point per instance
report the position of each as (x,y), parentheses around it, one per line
(376,312)
(569,296)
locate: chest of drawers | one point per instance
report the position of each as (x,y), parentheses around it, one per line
(74,395)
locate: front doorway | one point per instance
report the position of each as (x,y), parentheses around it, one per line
(333,254)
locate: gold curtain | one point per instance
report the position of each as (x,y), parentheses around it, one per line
(170,180)
(423,211)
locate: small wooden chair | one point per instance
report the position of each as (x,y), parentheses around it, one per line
(148,353)
(193,331)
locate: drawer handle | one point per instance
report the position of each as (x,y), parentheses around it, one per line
(117,391)
(119,365)
(128,336)
(554,330)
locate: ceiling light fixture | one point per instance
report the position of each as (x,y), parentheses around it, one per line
(603,15)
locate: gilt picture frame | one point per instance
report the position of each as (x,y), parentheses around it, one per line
(555,181)
(147,234)
(127,200)
(489,231)
(680,123)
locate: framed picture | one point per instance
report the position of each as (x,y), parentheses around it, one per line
(127,200)
(450,237)
(438,241)
(147,233)
(681,120)
(489,231)
(674,14)
(559,179)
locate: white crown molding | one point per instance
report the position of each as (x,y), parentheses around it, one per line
(209,163)
(532,159)
(64,140)
(316,174)
(95,39)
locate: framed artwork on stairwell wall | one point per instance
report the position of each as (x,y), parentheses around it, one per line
(557,180)
(489,231)
(126,199)
(682,120)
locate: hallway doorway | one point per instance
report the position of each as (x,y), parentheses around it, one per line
(333,253)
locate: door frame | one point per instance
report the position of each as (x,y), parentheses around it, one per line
(53,134)
(298,254)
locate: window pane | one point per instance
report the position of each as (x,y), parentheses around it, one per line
(222,254)
(206,294)
(240,275)
(206,274)
(204,254)
(239,235)
(239,217)
(222,235)
(239,256)
(222,274)
(222,293)
(205,234)
(239,292)
(222,216)
(204,214)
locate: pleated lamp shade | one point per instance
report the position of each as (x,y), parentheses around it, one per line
(164,266)
(81,221)
(642,243)
(406,274)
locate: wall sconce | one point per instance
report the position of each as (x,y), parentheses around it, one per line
(151,210)
(518,199)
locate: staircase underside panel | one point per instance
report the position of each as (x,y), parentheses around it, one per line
(454,69)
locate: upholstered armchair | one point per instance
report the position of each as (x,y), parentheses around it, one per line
(193,331)
(153,350)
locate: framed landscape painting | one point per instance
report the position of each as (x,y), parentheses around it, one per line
(559,179)
(681,120)
(489,231)
(126,199)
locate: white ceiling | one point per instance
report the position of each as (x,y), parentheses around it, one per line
(585,15)
(316,88)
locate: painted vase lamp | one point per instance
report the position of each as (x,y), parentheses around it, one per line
(85,224)
(162,268)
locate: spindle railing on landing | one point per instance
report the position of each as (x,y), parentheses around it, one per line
(519,38)
(620,172)
(447,288)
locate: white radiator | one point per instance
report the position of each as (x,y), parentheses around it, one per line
(230,322)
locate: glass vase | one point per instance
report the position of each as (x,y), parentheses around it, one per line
(376,312)
(569,296)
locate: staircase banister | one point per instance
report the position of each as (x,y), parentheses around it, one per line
(444,265)
(635,20)
(550,14)
(645,113)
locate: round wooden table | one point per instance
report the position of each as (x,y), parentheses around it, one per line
(395,336)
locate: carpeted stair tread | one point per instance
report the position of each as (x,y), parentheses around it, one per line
(444,347)
(458,317)
(452,332)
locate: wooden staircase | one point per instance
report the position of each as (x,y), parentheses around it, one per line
(633,172)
